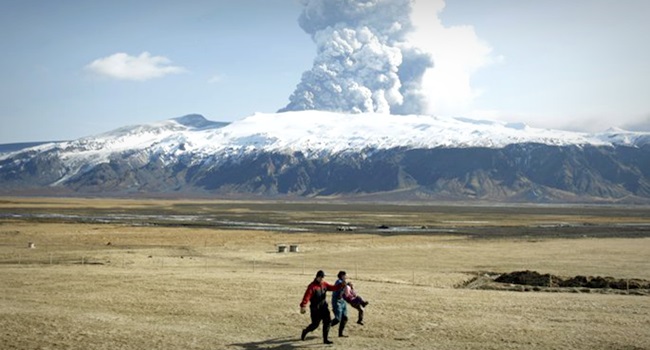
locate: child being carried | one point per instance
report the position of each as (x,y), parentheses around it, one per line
(356,301)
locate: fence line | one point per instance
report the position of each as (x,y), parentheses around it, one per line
(122,260)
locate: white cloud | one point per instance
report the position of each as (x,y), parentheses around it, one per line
(457,53)
(125,67)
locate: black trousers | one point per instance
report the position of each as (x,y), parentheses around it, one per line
(360,309)
(319,314)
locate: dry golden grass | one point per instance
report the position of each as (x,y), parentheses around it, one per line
(207,288)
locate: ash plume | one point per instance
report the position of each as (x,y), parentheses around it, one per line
(364,62)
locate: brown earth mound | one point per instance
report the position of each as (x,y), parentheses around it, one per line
(532,280)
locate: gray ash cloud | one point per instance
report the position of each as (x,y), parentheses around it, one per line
(364,62)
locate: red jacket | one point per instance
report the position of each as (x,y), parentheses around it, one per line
(316,293)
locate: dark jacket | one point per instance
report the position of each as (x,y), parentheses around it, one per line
(316,294)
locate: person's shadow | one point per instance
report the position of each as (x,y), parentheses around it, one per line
(277,344)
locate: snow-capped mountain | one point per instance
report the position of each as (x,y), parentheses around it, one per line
(325,153)
(317,133)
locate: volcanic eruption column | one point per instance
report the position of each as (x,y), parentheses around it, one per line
(364,62)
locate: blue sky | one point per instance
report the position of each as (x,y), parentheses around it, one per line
(76,68)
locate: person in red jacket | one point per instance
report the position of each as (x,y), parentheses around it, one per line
(316,296)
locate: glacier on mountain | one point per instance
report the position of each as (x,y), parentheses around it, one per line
(318,133)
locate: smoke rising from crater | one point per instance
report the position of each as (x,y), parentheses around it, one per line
(364,62)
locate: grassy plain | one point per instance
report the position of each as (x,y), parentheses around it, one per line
(157,274)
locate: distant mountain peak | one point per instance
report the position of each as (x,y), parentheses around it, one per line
(197,121)
(615,129)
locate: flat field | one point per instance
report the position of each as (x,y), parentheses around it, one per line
(162,274)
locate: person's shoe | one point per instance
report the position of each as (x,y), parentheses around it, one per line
(334,322)
(304,334)
(342,336)
(360,322)
(327,341)
(366,303)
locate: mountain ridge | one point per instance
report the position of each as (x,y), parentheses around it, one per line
(324,154)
